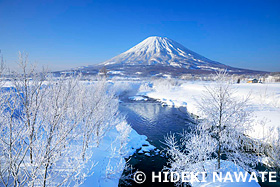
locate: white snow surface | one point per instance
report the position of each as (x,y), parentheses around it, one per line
(264,100)
(138,98)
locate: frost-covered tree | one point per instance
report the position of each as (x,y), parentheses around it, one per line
(119,151)
(2,67)
(162,84)
(49,125)
(273,150)
(220,134)
(188,151)
(227,121)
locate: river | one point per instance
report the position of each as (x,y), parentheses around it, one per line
(155,121)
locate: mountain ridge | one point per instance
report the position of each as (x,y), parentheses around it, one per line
(161,50)
(156,56)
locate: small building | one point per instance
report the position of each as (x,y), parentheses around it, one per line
(253,81)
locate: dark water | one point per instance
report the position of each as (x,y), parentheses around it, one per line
(155,121)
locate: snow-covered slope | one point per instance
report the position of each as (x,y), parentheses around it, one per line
(161,50)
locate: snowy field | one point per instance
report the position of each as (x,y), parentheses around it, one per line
(264,100)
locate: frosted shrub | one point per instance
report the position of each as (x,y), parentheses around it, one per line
(189,151)
(123,87)
(163,84)
(273,151)
(144,87)
(119,150)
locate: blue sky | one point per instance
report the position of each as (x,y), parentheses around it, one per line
(65,34)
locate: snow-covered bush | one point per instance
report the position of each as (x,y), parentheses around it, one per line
(124,87)
(189,151)
(2,71)
(273,151)
(120,151)
(145,87)
(163,84)
(49,126)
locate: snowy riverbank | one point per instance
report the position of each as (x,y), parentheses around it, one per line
(110,165)
(264,100)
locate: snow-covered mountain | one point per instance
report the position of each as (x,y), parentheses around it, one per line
(163,51)
(160,56)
